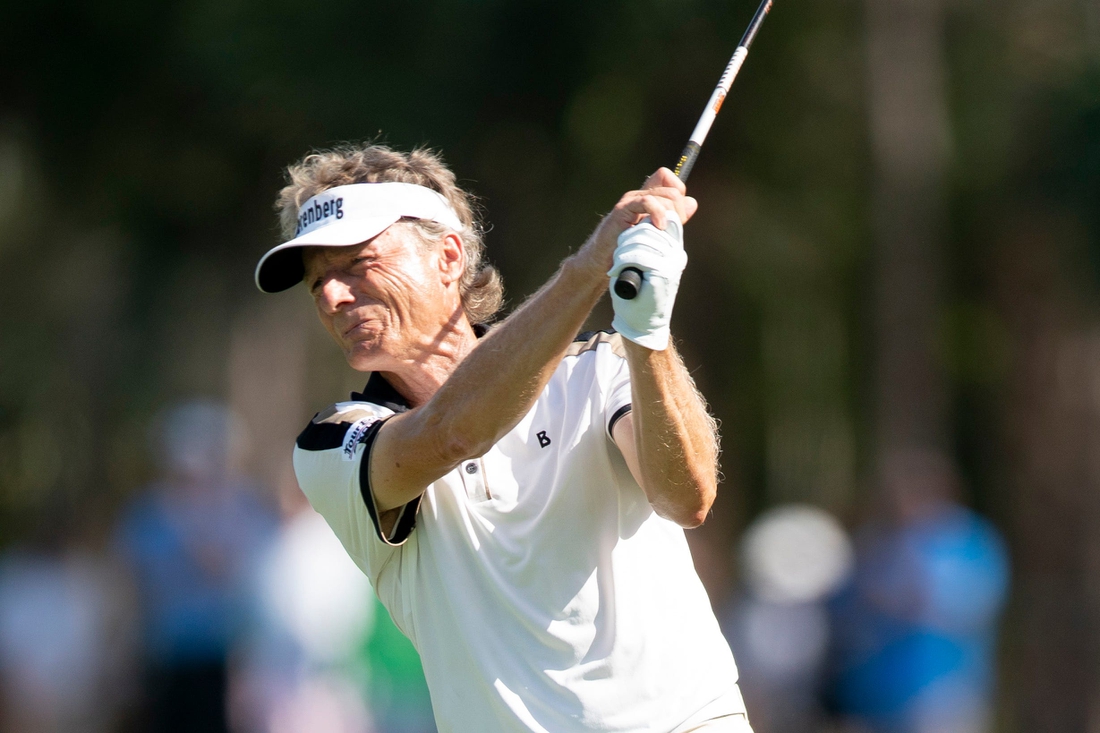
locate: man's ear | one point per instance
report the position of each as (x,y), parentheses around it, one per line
(452,257)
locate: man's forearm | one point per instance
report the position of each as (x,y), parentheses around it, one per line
(674,436)
(499,381)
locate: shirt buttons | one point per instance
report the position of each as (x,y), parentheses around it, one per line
(471,468)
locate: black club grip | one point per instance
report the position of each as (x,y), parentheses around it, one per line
(628,283)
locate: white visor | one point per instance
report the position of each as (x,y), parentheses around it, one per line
(347,215)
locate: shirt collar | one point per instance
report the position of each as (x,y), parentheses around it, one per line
(380,392)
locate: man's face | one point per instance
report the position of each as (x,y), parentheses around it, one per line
(386,300)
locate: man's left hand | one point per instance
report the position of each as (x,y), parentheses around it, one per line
(660,255)
(662,192)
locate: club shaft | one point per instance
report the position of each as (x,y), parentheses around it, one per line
(710,112)
(629,281)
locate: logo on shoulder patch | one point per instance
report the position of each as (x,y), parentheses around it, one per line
(355,434)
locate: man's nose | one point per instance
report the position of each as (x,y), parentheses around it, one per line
(335,293)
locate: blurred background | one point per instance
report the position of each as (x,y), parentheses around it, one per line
(892,304)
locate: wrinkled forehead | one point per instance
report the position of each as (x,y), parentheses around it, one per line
(399,236)
(323,255)
(319,257)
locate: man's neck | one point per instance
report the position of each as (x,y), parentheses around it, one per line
(418,377)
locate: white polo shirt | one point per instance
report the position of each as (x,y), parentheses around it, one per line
(540,588)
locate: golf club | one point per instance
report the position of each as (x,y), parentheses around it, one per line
(630,279)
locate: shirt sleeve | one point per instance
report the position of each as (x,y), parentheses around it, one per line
(614,375)
(332,463)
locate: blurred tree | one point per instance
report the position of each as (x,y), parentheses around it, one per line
(909,134)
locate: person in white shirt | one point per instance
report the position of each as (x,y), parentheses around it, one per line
(516,495)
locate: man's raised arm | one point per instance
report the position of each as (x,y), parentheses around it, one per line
(499,381)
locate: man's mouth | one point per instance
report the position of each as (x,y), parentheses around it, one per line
(356,326)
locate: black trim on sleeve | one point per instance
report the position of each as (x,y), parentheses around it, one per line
(619,415)
(406,521)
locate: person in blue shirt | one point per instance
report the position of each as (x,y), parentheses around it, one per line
(190,541)
(916,628)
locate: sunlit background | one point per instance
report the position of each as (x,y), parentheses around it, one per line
(892,304)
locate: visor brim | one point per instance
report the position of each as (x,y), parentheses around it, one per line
(281,268)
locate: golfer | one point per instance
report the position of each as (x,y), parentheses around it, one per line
(516,494)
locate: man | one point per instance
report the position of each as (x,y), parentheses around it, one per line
(516,497)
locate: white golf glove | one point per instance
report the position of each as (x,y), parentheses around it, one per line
(661,257)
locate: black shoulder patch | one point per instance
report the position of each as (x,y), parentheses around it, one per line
(589,335)
(590,340)
(323,436)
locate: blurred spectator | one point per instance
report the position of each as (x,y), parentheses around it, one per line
(793,557)
(63,646)
(917,626)
(192,540)
(324,655)
(313,609)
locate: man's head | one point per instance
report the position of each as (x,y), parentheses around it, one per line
(372,229)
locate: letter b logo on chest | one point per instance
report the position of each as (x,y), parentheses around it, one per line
(544,439)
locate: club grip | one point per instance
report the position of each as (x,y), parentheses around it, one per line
(628,283)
